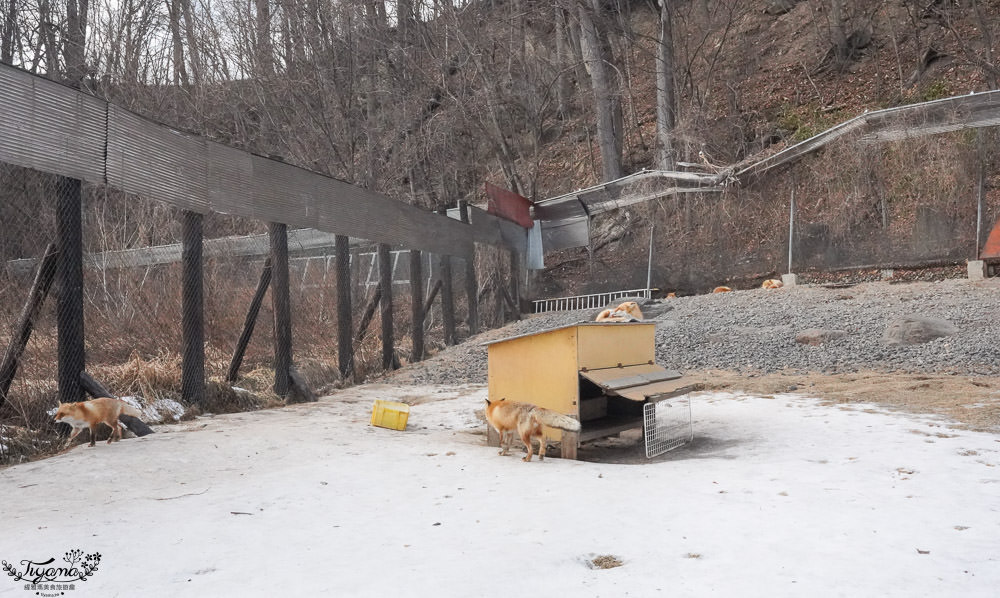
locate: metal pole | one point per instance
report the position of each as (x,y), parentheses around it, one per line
(69,288)
(192,310)
(979,192)
(791,226)
(649,262)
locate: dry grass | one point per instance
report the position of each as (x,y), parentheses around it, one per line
(973,401)
(606,561)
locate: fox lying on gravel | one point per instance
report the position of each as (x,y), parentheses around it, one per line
(506,416)
(626,312)
(90,414)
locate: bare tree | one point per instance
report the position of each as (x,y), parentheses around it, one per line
(75,41)
(8,32)
(607,102)
(666,103)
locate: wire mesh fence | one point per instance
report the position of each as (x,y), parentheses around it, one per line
(124,321)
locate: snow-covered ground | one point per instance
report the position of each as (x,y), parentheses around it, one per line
(775,497)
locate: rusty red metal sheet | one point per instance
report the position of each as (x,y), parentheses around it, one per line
(992,247)
(509,205)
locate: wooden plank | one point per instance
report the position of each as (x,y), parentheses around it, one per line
(568,445)
(25,323)
(249,323)
(430,298)
(608,426)
(640,379)
(659,390)
(366,319)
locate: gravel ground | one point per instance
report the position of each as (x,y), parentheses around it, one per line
(745,340)
(753,332)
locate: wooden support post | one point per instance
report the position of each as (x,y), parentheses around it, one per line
(471,284)
(278,234)
(249,323)
(507,299)
(69,289)
(345,346)
(192,311)
(568,446)
(366,319)
(515,287)
(25,323)
(385,286)
(417,305)
(432,296)
(447,301)
(98,390)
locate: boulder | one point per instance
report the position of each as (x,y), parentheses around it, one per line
(778,7)
(914,330)
(818,336)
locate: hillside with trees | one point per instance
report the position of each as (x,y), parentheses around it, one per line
(425,100)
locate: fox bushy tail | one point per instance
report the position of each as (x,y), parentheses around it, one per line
(128,409)
(554,419)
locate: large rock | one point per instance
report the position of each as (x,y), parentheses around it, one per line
(914,330)
(818,336)
(779,7)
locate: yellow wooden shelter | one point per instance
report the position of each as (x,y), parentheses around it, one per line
(600,373)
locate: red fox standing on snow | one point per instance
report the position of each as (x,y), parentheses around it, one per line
(90,414)
(507,416)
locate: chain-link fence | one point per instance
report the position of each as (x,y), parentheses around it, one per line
(177,273)
(122,323)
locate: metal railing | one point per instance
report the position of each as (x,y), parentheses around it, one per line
(591,301)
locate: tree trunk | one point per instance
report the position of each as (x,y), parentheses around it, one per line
(180,73)
(562,59)
(265,56)
(666,115)
(9,29)
(605,99)
(194,57)
(76,15)
(837,35)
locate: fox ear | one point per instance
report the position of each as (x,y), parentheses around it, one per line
(488,402)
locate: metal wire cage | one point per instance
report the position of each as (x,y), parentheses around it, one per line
(667,425)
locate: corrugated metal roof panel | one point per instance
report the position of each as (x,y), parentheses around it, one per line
(50,127)
(157,162)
